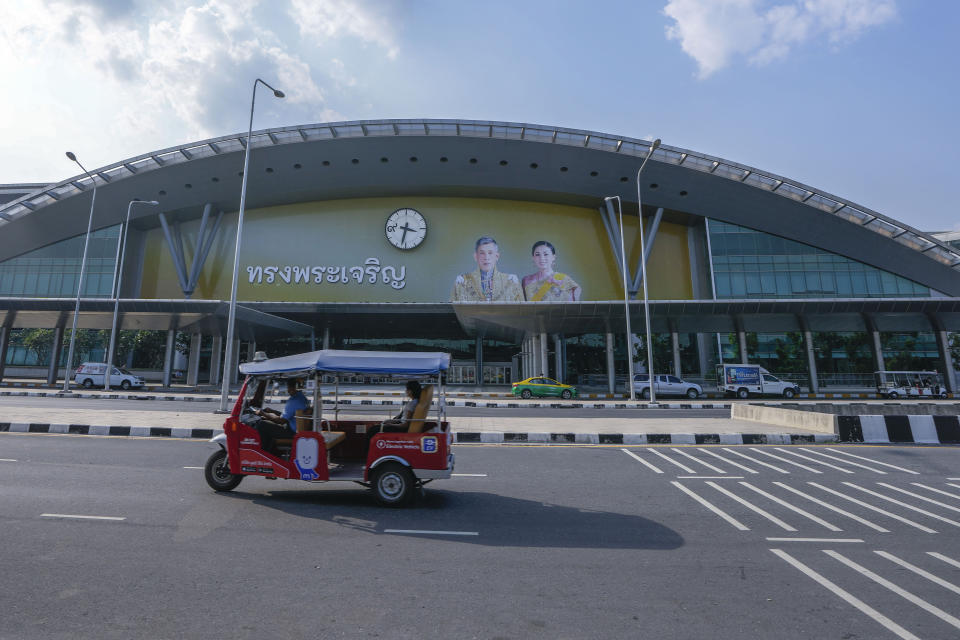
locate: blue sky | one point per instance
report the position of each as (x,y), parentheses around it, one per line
(855,97)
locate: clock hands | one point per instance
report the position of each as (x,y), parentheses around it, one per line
(403,237)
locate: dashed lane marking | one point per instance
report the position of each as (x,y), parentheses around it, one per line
(7,460)
(900,503)
(848,597)
(813,460)
(906,595)
(733,521)
(833,508)
(814,540)
(433,533)
(806,514)
(79,517)
(782,459)
(873,508)
(641,460)
(920,572)
(855,464)
(469,475)
(772,518)
(193,467)
(853,455)
(709,477)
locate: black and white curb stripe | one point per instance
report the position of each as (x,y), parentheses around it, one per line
(896,429)
(107,430)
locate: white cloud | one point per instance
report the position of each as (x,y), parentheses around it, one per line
(127,77)
(716,32)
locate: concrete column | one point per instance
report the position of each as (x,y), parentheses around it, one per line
(877,350)
(55,357)
(235,374)
(251,350)
(544,355)
(558,357)
(611,378)
(478,359)
(703,342)
(811,361)
(742,337)
(193,360)
(534,355)
(215,350)
(4,344)
(943,343)
(675,340)
(168,356)
(326,337)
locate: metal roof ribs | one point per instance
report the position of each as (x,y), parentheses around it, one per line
(213,146)
(185,154)
(303,134)
(129,167)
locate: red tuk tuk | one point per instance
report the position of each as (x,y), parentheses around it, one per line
(326,448)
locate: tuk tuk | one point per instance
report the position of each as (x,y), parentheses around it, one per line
(910,384)
(326,448)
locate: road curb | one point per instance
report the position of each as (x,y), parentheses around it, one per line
(902,429)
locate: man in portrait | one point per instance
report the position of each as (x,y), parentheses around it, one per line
(486,283)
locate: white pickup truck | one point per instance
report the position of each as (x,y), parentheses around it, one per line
(743,380)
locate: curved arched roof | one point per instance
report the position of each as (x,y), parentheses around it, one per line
(474,158)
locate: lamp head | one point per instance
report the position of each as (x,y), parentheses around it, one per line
(277,93)
(150,202)
(655,145)
(71,156)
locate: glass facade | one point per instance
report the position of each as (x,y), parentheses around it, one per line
(753,264)
(52,271)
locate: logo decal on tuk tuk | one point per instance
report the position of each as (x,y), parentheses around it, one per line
(307,458)
(428,444)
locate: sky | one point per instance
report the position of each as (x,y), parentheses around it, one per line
(858,98)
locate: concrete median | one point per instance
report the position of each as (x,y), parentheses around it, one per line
(802,420)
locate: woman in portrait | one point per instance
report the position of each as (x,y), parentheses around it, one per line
(547,285)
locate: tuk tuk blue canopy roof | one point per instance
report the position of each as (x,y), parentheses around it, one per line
(398,363)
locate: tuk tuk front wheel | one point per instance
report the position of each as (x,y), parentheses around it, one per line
(393,484)
(217,472)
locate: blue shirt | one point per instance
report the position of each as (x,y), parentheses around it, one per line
(296,402)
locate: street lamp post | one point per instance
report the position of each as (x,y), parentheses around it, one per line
(626,298)
(228,362)
(646,290)
(83,271)
(118,280)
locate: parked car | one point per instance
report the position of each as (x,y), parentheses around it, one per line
(543,387)
(666,385)
(90,374)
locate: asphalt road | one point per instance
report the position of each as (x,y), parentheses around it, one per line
(532,542)
(177,406)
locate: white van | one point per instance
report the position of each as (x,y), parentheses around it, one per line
(90,374)
(743,380)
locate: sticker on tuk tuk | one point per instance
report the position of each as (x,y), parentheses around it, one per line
(307,458)
(428,444)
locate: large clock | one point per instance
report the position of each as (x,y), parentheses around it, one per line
(406,228)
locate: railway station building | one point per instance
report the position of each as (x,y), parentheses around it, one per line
(497,242)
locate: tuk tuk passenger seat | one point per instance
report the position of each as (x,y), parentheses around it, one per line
(421,410)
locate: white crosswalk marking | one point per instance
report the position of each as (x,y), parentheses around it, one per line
(848,597)
(852,455)
(873,508)
(671,460)
(943,558)
(920,497)
(641,460)
(826,464)
(836,509)
(920,572)
(940,491)
(906,595)
(754,460)
(784,503)
(736,523)
(899,503)
(781,459)
(772,518)
(706,464)
(730,462)
(855,464)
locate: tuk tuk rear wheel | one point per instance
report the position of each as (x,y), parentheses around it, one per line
(393,484)
(217,472)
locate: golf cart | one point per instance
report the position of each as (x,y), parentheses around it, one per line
(326,448)
(910,384)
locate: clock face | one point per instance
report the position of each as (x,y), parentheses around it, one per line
(406,228)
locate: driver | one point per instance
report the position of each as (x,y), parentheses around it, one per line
(275,424)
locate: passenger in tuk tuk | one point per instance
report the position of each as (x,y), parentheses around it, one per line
(401,422)
(274,424)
